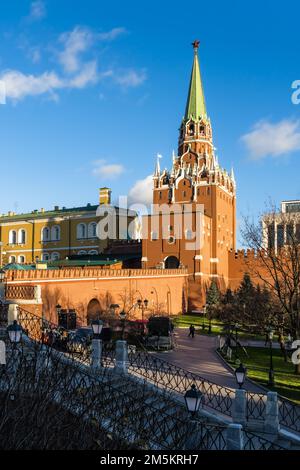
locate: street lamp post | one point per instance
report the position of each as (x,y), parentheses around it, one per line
(240,375)
(142,306)
(271,370)
(203,318)
(236,326)
(123,318)
(14,333)
(97,326)
(193,401)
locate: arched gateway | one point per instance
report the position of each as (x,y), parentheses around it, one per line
(171,262)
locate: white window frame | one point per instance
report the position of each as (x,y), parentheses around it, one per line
(12,237)
(81,231)
(20,232)
(55,230)
(43,238)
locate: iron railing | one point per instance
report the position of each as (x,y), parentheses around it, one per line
(176,379)
(165,375)
(256,405)
(3,314)
(130,412)
(289,414)
(253,441)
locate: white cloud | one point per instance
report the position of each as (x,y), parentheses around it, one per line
(131,78)
(273,139)
(75,42)
(78,71)
(111,35)
(141,192)
(37,11)
(78,41)
(107,170)
(19,85)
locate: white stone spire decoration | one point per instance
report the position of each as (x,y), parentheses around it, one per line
(157,166)
(232,175)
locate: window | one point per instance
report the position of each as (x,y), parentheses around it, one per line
(160,194)
(45,257)
(22,236)
(93,252)
(82,252)
(45,234)
(12,259)
(54,256)
(12,237)
(21,259)
(81,231)
(92,230)
(55,233)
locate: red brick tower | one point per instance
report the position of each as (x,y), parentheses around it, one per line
(196,182)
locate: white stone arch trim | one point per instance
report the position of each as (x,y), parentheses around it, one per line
(12,237)
(44,230)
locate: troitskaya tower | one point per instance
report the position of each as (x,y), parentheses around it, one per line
(196,177)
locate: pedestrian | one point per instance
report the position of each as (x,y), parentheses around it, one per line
(192,331)
(267,339)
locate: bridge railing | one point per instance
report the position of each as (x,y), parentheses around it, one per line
(169,376)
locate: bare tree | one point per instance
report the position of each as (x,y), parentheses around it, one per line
(275,239)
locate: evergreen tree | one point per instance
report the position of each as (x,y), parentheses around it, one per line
(212,301)
(246,296)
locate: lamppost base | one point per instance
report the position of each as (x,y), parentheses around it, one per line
(271,378)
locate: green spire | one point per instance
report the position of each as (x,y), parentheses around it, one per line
(195,105)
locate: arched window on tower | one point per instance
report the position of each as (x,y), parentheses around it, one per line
(202,130)
(191,129)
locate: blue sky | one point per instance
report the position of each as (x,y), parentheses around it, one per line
(96,89)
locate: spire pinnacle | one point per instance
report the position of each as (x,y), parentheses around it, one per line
(157,166)
(195,105)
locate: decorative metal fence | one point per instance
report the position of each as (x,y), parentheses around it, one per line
(256,406)
(255,442)
(130,413)
(163,374)
(289,414)
(3,314)
(173,377)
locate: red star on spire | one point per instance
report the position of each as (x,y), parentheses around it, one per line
(195,44)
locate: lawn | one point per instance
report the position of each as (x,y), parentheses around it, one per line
(257,363)
(217,326)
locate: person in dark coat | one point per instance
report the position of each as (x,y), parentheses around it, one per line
(192,331)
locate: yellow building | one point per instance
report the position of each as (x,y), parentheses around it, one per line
(50,235)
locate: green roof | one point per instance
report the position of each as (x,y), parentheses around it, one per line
(195,105)
(81,263)
(57,212)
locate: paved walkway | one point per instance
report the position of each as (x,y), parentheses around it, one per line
(198,355)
